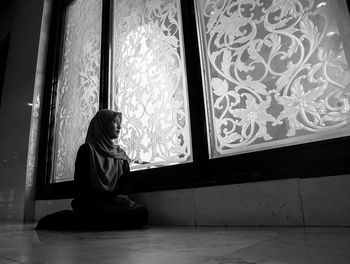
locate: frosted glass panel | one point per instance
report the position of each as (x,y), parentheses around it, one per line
(149,82)
(78,83)
(275,72)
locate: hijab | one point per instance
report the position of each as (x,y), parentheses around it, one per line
(106,159)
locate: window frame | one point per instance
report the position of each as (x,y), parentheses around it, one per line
(315,159)
(4,50)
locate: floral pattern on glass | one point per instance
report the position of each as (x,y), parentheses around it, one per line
(78,85)
(276,73)
(149,82)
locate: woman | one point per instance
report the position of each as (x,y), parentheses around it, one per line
(102,183)
(102,177)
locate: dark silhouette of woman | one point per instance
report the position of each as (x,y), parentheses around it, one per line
(102,181)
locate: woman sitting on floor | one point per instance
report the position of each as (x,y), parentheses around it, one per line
(102,180)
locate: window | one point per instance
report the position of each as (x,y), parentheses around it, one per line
(223,91)
(149,84)
(78,84)
(276,73)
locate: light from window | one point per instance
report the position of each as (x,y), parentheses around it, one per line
(275,73)
(78,83)
(149,82)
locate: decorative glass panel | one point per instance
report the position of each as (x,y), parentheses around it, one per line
(149,82)
(78,83)
(276,72)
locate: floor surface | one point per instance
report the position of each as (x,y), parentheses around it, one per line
(176,245)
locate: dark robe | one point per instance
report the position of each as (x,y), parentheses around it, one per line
(102,182)
(99,208)
(87,188)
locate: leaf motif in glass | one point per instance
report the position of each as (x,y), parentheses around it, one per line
(149,82)
(78,85)
(275,72)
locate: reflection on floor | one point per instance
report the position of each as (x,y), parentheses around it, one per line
(178,245)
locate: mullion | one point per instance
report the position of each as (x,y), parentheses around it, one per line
(105,54)
(195,90)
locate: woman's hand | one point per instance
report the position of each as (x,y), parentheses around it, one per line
(138,161)
(125,201)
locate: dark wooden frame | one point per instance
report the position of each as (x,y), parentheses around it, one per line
(4,49)
(316,159)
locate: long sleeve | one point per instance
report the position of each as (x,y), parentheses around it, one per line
(124,182)
(84,178)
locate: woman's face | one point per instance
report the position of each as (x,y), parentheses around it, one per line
(115,127)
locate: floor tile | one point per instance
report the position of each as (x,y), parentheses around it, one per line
(6,261)
(176,245)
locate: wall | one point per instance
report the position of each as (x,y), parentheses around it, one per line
(293,202)
(22,79)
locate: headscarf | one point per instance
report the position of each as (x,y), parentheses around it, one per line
(98,137)
(106,159)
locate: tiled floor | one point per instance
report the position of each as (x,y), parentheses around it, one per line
(178,245)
